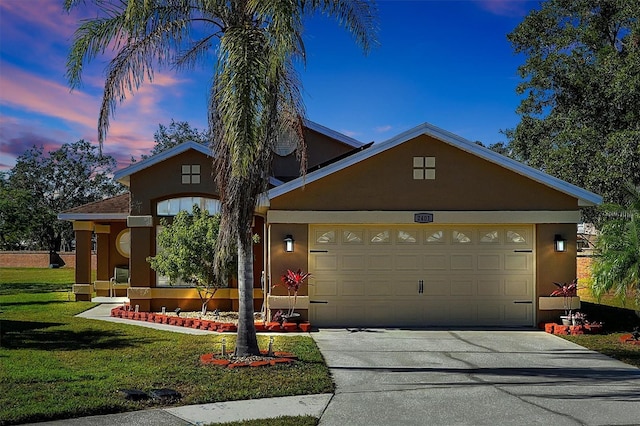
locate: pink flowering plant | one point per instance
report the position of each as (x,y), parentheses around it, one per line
(292,280)
(567,291)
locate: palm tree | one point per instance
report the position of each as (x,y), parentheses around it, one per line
(254,95)
(617,268)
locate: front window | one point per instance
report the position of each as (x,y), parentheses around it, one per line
(173,206)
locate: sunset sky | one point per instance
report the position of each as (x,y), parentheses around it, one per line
(446,62)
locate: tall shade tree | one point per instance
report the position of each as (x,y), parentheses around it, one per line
(41,185)
(581,86)
(254,95)
(616,269)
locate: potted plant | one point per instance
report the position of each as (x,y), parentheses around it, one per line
(293,280)
(567,291)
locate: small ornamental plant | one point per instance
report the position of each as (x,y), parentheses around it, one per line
(292,280)
(567,291)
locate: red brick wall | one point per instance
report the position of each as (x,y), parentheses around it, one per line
(37,259)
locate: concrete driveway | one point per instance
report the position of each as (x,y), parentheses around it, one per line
(472,377)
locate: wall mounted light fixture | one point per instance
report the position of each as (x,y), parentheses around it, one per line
(288,244)
(559,243)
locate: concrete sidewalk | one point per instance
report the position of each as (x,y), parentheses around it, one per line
(221,412)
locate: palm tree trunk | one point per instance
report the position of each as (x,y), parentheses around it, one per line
(247,341)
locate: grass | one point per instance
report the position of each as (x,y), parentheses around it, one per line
(59,366)
(609,344)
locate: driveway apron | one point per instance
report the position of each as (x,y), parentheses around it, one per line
(473,377)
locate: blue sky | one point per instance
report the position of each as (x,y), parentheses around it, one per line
(446,62)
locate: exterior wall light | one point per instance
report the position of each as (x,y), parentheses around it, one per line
(559,243)
(288,244)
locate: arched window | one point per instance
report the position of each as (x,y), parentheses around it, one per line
(173,206)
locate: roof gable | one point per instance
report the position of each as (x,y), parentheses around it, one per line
(123,175)
(585,198)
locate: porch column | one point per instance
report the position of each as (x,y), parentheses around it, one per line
(104,271)
(83,289)
(140,270)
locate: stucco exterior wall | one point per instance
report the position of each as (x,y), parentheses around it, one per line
(281,260)
(552,266)
(463,182)
(164,181)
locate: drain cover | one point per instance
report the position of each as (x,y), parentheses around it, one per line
(134,394)
(165,394)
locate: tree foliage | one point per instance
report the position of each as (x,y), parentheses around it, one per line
(580,116)
(167,137)
(42,185)
(254,95)
(617,267)
(188,251)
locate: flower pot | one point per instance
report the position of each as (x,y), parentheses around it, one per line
(566,320)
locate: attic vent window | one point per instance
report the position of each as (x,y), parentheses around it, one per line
(424,168)
(190,174)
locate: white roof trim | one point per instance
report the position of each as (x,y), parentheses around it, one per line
(122,175)
(93,216)
(332,133)
(585,198)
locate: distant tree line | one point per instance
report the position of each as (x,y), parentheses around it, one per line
(42,185)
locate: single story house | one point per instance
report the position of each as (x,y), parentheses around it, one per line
(424,229)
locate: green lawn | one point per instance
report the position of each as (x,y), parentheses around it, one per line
(57,366)
(610,345)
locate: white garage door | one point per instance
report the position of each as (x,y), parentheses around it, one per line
(421,276)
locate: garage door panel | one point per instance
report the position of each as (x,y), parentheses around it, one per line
(463,312)
(435,262)
(405,287)
(352,288)
(518,313)
(324,262)
(490,313)
(379,314)
(518,262)
(490,262)
(461,262)
(462,287)
(436,313)
(351,313)
(353,262)
(324,287)
(471,276)
(490,286)
(517,287)
(378,288)
(380,262)
(437,287)
(407,262)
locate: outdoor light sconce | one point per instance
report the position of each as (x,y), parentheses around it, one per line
(559,243)
(288,244)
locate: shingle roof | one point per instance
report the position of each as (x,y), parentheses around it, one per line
(117,207)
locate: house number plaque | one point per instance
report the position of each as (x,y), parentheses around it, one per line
(423,217)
